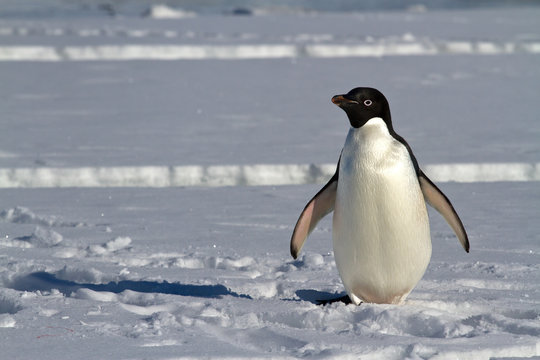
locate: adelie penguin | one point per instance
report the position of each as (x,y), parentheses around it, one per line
(380,230)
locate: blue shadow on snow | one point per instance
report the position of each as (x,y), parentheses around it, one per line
(44,281)
(315,296)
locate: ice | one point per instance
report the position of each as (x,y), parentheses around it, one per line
(18,53)
(152,170)
(160,11)
(265,51)
(236,175)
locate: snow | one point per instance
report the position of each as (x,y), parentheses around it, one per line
(160,11)
(147,205)
(266,51)
(176,278)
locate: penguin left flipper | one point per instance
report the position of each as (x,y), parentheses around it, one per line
(435,197)
(321,205)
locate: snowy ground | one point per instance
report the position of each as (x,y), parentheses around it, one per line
(204,272)
(198,272)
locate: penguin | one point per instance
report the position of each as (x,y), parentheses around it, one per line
(380,228)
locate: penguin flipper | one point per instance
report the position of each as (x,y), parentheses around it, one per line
(318,207)
(435,197)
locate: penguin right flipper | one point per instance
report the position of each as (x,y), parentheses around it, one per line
(435,197)
(321,205)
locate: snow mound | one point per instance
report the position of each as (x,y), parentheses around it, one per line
(7,321)
(41,237)
(161,11)
(119,243)
(23,215)
(80,275)
(9,304)
(103,296)
(192,261)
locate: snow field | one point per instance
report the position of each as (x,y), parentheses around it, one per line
(224,277)
(164,133)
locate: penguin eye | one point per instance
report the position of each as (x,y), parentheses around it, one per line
(368,102)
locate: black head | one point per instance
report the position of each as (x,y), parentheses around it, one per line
(362,104)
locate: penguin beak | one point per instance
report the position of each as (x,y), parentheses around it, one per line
(341,100)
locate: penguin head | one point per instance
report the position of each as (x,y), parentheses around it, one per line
(362,104)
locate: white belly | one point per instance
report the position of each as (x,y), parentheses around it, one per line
(382,243)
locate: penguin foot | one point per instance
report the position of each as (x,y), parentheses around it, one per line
(344,299)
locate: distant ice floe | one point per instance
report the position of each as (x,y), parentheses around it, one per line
(260,51)
(161,11)
(238,175)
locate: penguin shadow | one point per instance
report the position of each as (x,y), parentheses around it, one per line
(322,297)
(44,281)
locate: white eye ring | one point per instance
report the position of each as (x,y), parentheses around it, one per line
(368,102)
